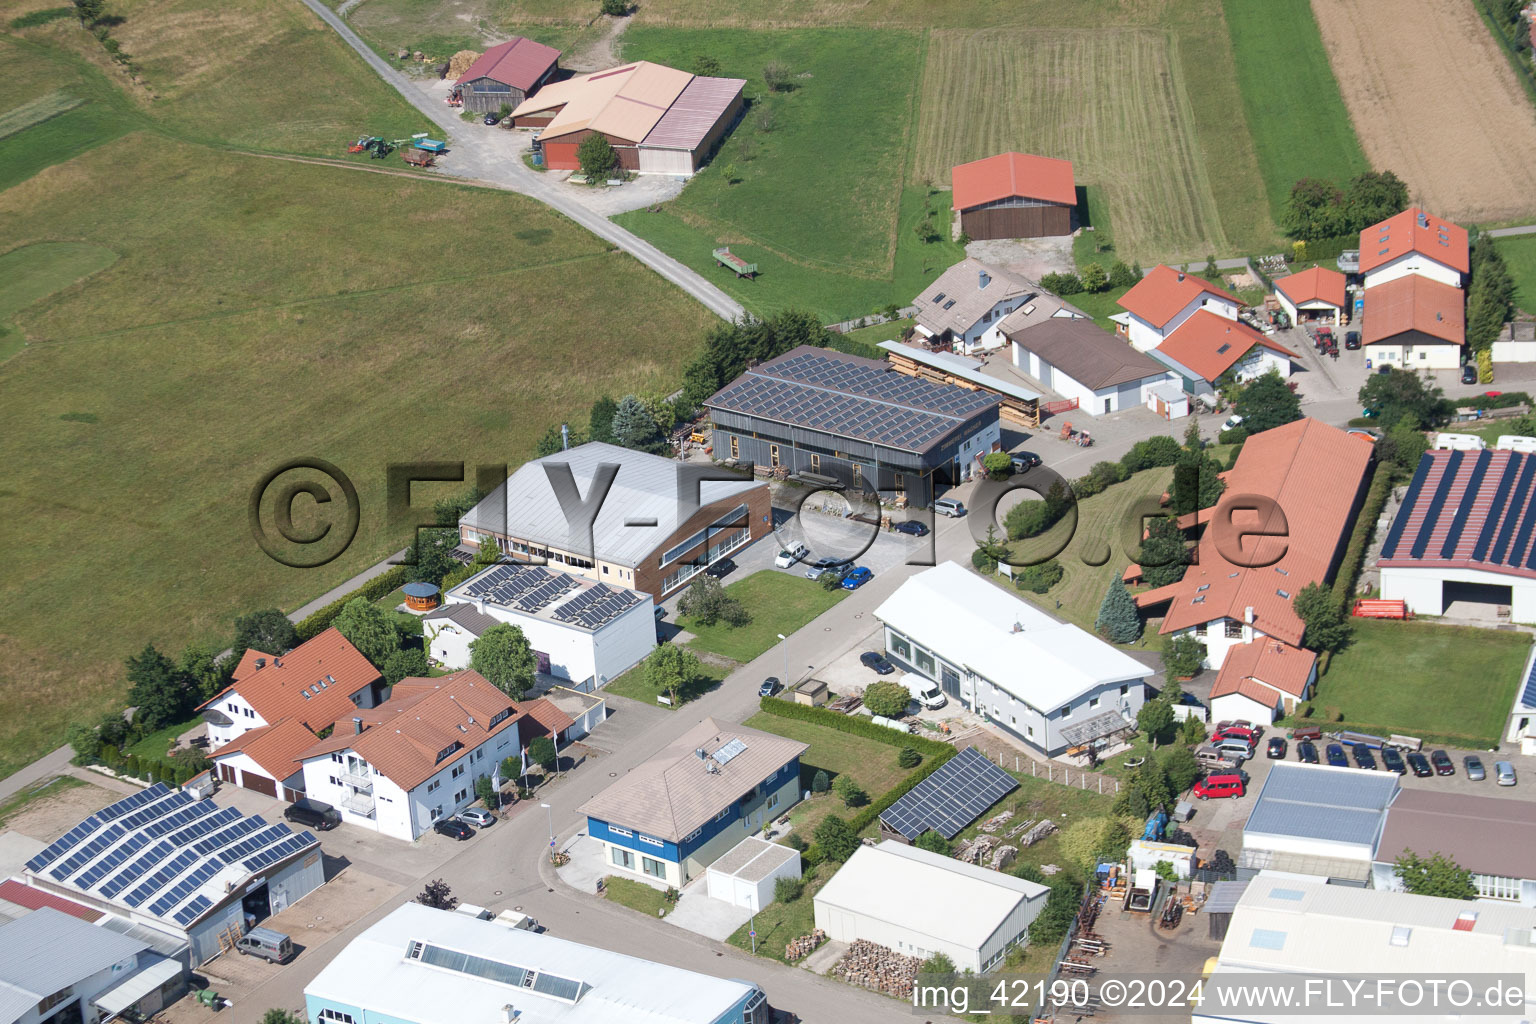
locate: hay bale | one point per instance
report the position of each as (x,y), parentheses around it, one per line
(460,62)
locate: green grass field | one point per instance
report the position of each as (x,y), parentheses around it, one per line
(636,895)
(1446,684)
(632,684)
(34,272)
(778,603)
(778,923)
(156,744)
(1300,126)
(1519,255)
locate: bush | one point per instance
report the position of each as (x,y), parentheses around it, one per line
(87,745)
(42,17)
(1237,435)
(1062,284)
(615,8)
(596,155)
(820,782)
(1365,524)
(788,888)
(855,725)
(836,838)
(999,465)
(982,561)
(777,77)
(850,792)
(906,757)
(1039,578)
(794,842)
(887,699)
(1154,451)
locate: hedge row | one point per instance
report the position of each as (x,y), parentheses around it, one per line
(855,347)
(1365,523)
(812,854)
(855,725)
(315,623)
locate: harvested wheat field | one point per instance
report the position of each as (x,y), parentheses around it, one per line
(1434,100)
(1111,101)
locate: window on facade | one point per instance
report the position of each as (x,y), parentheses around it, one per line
(773,801)
(721,816)
(773,455)
(1234,629)
(1497,887)
(461,796)
(458,770)
(335,781)
(1093,702)
(338,758)
(900,483)
(900,647)
(735,448)
(432,786)
(1200,629)
(924,661)
(1029,731)
(691,836)
(815,463)
(1125,688)
(1066,711)
(329,1016)
(653,867)
(54,1000)
(622,857)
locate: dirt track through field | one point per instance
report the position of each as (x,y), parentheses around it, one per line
(1111,101)
(1434,100)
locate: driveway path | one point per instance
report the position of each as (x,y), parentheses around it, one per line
(476,158)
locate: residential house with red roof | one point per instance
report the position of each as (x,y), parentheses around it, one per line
(1282,522)
(415,759)
(1014,195)
(1160,302)
(1261,680)
(506,75)
(1316,295)
(1413,242)
(1415,323)
(277,705)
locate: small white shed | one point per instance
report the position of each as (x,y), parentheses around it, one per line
(1168,400)
(745,876)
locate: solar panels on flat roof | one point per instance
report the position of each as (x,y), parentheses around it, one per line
(289,846)
(952,797)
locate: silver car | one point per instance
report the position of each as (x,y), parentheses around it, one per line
(1474,766)
(476,816)
(1504,773)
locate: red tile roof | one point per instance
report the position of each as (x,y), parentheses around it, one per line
(1159,296)
(1414,303)
(275,748)
(1278,665)
(1013,174)
(1312,471)
(313,683)
(550,720)
(1319,284)
(1209,344)
(518,62)
(1413,231)
(24,895)
(1244,687)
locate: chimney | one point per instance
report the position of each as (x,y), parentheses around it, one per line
(1181,275)
(261,662)
(1018,627)
(1248,615)
(357,725)
(565,437)
(983,279)
(509,1014)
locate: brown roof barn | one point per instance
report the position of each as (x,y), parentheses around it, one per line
(1088,354)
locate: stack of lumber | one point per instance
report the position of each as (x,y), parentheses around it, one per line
(878,968)
(803,946)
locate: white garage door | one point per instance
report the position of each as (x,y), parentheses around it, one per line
(735,891)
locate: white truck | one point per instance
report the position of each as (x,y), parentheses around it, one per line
(925,691)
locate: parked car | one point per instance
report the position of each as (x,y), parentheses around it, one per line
(1442,762)
(949,507)
(1217,786)
(911,527)
(1235,749)
(1363,757)
(318,816)
(271,946)
(1023,462)
(1351,339)
(1233,422)
(1275,748)
(453,829)
(789,556)
(875,660)
(857,578)
(493,119)
(1393,761)
(1306,752)
(1335,754)
(821,565)
(1236,732)
(721,569)
(769,688)
(1504,773)
(1469,374)
(1420,765)
(477,816)
(1474,768)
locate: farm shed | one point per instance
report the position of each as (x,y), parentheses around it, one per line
(507,73)
(1014,195)
(1464,534)
(659,120)
(1312,296)
(1415,323)
(1079,360)
(1020,406)
(745,876)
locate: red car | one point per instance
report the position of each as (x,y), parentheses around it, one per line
(1236,732)
(1214,787)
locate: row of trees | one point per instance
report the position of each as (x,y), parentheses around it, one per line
(643,424)
(1094,279)
(1490,295)
(1318,208)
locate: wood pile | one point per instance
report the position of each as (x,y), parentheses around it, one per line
(1022,826)
(847,704)
(1002,857)
(878,968)
(996,822)
(1038,833)
(804,945)
(975,851)
(460,63)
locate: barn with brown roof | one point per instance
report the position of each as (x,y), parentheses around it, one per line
(1078,359)
(1014,195)
(507,74)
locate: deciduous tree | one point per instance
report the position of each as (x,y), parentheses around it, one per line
(1265,403)
(268,631)
(1435,875)
(1095,278)
(541,751)
(933,842)
(1327,627)
(596,155)
(437,895)
(1154,719)
(887,700)
(405,663)
(672,670)
(158,689)
(504,657)
(1396,393)
(1164,555)
(370,629)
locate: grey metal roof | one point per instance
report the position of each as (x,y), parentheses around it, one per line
(962,367)
(849,396)
(1344,805)
(1224,896)
(47,951)
(463,614)
(646,488)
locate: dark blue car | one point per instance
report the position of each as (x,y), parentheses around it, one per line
(856,579)
(1363,757)
(1335,754)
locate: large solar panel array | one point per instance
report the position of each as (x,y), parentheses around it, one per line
(133,872)
(1528,692)
(1480,508)
(87,853)
(209,824)
(597,606)
(189,913)
(114,811)
(854,399)
(187,886)
(246,847)
(511,975)
(243,827)
(952,797)
(526,587)
(159,809)
(160,879)
(112,861)
(273,854)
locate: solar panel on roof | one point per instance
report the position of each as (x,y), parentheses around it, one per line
(1459,522)
(181,818)
(221,839)
(158,809)
(209,824)
(117,810)
(287,848)
(955,795)
(187,914)
(161,878)
(88,852)
(729,750)
(1528,694)
(65,843)
(110,863)
(133,872)
(248,847)
(186,887)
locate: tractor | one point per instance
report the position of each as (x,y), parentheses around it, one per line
(364,143)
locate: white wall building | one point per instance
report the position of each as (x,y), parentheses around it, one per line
(586,632)
(746,875)
(1160,302)
(56,967)
(920,903)
(1317,821)
(1047,682)
(965,307)
(1079,360)
(1262,681)
(1490,837)
(1414,243)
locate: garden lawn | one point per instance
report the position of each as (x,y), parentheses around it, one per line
(1301,128)
(1519,255)
(635,895)
(632,684)
(1445,684)
(778,923)
(1037,799)
(155,745)
(868,762)
(778,603)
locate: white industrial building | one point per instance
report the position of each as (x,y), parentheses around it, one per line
(1285,926)
(1491,837)
(588,633)
(424,966)
(1522,715)
(921,903)
(1317,821)
(1079,360)
(745,876)
(1047,682)
(180,867)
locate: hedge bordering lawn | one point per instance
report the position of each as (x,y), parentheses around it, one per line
(855,725)
(859,822)
(1365,523)
(315,623)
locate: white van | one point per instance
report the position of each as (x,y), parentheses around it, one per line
(925,691)
(270,945)
(1235,749)
(949,507)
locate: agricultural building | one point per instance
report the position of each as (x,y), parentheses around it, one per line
(581,631)
(1081,361)
(1464,534)
(673,816)
(1414,323)
(920,903)
(1313,296)
(1014,195)
(652,532)
(1317,820)
(1412,243)
(1046,682)
(825,416)
(659,120)
(507,74)
(1316,475)
(964,309)
(420,965)
(1018,405)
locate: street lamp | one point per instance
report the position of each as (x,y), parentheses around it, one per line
(551,815)
(784,638)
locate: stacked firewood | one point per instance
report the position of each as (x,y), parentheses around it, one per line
(996,821)
(878,968)
(1038,833)
(1002,857)
(802,946)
